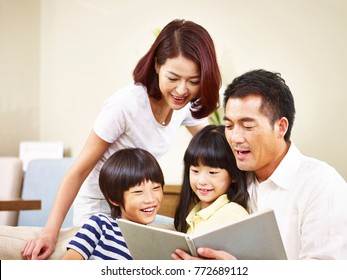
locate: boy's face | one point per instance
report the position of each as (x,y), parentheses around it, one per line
(142,202)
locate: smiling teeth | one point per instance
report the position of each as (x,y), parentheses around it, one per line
(178,98)
(148,209)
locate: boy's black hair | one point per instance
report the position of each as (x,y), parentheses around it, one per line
(124,169)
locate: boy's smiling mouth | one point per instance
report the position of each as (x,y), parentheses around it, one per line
(149,210)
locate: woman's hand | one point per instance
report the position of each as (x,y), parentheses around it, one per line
(39,248)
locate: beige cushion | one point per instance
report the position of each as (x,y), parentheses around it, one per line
(12,239)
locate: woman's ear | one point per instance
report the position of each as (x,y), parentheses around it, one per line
(156,66)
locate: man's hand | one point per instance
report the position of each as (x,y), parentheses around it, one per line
(204,253)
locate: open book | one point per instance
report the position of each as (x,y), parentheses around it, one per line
(253,237)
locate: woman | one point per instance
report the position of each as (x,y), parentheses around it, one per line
(176,83)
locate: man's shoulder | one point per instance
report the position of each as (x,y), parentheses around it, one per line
(313,167)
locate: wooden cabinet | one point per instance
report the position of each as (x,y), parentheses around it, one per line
(171,195)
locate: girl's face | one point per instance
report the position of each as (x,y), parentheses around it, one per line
(208,183)
(142,202)
(179,81)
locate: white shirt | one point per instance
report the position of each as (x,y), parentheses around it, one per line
(309,198)
(126,121)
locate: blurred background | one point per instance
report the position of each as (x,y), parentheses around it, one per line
(60,59)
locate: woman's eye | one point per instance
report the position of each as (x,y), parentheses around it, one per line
(172,79)
(195,83)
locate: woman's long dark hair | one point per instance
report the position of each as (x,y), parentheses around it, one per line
(192,41)
(209,147)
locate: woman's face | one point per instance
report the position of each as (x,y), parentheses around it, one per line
(179,81)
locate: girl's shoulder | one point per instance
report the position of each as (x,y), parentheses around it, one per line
(233,209)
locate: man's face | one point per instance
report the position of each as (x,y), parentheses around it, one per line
(256,143)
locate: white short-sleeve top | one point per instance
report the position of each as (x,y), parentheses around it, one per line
(126,121)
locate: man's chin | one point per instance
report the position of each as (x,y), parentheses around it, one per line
(244,167)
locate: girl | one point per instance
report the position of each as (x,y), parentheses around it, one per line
(132,182)
(175,83)
(214,190)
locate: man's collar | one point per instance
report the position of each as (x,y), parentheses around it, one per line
(285,172)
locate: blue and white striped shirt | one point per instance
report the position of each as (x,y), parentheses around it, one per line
(100,239)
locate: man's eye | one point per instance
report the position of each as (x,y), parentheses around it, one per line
(248,126)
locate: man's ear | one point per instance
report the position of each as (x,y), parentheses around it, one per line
(282,127)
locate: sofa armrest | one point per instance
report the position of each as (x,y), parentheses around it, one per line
(12,239)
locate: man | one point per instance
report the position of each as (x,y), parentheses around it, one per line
(308,196)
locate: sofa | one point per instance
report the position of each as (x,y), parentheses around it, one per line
(41,181)
(12,239)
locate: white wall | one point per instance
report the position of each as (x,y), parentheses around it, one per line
(19,73)
(88,49)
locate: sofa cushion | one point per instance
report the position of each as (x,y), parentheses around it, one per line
(12,239)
